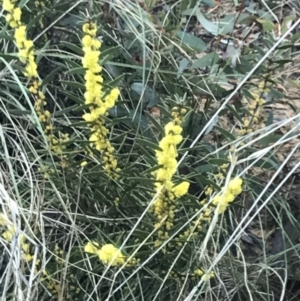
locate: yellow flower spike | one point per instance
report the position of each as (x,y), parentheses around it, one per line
(28,257)
(89,28)
(181,189)
(3,220)
(16,14)
(91,247)
(164,207)
(7,235)
(235,186)
(25,247)
(83,163)
(8,5)
(183,111)
(198,272)
(109,254)
(208,191)
(94,96)
(220,202)
(206,276)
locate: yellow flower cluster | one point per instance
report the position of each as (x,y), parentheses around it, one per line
(51,280)
(57,144)
(10,233)
(25,46)
(108,254)
(41,6)
(98,102)
(196,273)
(255,107)
(228,194)
(164,206)
(192,231)
(204,276)
(27,57)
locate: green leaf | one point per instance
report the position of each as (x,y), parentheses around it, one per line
(73,47)
(191,40)
(270,118)
(147,143)
(79,70)
(247,94)
(203,182)
(9,56)
(287,23)
(65,111)
(234,113)
(182,66)
(244,66)
(295,37)
(212,124)
(150,96)
(218,161)
(112,70)
(266,163)
(116,82)
(275,94)
(206,61)
(108,54)
(225,133)
(217,28)
(266,24)
(72,63)
(52,74)
(281,63)
(131,119)
(142,180)
(71,21)
(270,139)
(294,83)
(74,84)
(19,112)
(156,124)
(118,111)
(286,46)
(139,120)
(75,98)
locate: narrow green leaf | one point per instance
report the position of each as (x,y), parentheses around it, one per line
(156,124)
(191,40)
(108,53)
(19,112)
(73,47)
(141,180)
(266,163)
(112,70)
(234,113)
(74,84)
(75,98)
(147,143)
(182,66)
(79,70)
(206,61)
(65,111)
(52,74)
(203,182)
(225,133)
(150,96)
(266,24)
(218,161)
(222,27)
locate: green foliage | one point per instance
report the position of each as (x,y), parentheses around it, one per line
(160,56)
